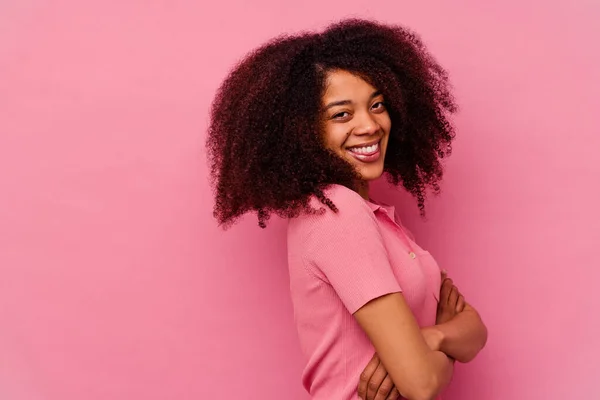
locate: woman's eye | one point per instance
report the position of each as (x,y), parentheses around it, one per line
(379,105)
(339,115)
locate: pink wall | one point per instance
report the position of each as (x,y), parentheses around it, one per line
(115,282)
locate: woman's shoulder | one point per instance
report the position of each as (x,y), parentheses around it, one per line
(349,206)
(343,197)
(345,200)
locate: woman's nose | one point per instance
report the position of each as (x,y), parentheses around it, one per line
(366,125)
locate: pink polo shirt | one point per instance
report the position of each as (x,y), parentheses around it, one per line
(338,262)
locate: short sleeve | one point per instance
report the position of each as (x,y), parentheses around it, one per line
(346,250)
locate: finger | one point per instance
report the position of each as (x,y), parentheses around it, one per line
(445,290)
(375,382)
(453,297)
(394,394)
(460,304)
(385,388)
(444,274)
(365,376)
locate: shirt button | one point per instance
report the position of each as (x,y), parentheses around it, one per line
(412,254)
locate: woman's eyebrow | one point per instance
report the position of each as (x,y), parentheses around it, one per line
(346,102)
(338,103)
(375,94)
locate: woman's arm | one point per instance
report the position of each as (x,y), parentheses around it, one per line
(418,372)
(460,338)
(375,382)
(459,331)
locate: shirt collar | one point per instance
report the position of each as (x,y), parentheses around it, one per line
(377,206)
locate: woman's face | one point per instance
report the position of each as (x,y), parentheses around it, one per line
(356,122)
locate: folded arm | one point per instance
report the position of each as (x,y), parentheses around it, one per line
(459,333)
(462,337)
(417,371)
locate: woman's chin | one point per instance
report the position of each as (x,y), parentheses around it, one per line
(367,171)
(371,174)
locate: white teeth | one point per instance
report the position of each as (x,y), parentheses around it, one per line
(366,149)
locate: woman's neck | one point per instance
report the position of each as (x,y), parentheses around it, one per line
(363,189)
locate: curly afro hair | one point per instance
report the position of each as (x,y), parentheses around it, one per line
(265,143)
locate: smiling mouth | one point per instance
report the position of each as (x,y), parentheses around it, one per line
(368,153)
(365,149)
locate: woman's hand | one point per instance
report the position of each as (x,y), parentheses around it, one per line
(451,301)
(375,383)
(459,331)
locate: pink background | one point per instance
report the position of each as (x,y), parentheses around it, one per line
(115,282)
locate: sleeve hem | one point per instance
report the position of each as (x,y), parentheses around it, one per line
(361,303)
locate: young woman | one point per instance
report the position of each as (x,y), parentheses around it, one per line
(299,128)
